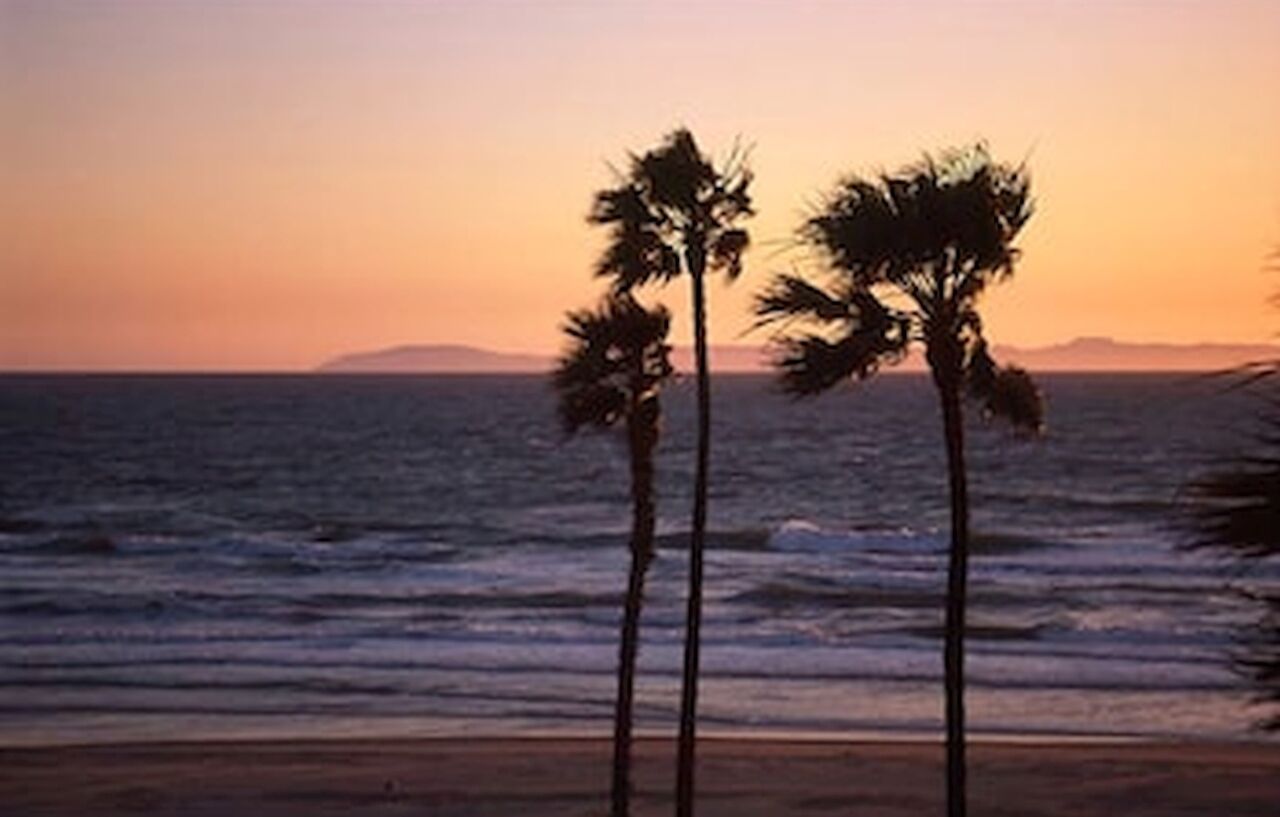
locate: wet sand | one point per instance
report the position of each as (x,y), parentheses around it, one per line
(569,777)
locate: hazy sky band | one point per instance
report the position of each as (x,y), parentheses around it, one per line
(264,185)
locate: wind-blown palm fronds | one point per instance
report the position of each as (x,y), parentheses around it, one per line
(907,257)
(611,375)
(1236,510)
(617,358)
(674,212)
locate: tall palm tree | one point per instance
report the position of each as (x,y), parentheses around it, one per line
(611,374)
(672,213)
(908,255)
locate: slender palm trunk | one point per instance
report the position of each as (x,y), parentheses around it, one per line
(642,433)
(957,589)
(693,617)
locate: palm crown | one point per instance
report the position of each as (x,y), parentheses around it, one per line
(674,212)
(908,256)
(673,202)
(616,360)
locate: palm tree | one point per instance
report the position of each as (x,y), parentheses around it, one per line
(908,256)
(611,374)
(1236,509)
(673,212)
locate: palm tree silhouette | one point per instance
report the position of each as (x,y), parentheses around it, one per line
(908,256)
(1236,509)
(673,212)
(611,374)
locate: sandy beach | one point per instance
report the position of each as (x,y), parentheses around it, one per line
(569,777)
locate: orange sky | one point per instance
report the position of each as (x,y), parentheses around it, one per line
(252,185)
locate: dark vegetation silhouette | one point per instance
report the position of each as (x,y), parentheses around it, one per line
(675,213)
(1236,510)
(611,375)
(907,256)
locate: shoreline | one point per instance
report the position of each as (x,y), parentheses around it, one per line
(569,776)
(779,737)
(201,736)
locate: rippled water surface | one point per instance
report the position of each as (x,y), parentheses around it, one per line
(210,556)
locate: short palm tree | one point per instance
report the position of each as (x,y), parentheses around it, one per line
(672,213)
(611,374)
(908,256)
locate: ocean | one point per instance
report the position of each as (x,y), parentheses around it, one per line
(205,557)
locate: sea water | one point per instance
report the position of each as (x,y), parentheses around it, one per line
(191,557)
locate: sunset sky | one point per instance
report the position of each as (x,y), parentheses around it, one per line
(263,185)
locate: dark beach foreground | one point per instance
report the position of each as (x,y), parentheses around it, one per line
(568,777)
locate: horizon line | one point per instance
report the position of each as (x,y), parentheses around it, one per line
(727,372)
(912,364)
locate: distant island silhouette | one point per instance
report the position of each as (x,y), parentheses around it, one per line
(1107,355)
(1093,354)
(436,358)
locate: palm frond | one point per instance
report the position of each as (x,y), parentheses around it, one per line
(624,204)
(1240,510)
(791,297)
(857,230)
(874,336)
(1005,392)
(637,255)
(617,357)
(727,248)
(733,197)
(674,201)
(599,406)
(1245,375)
(954,216)
(810,365)
(675,175)
(1017,400)
(1237,508)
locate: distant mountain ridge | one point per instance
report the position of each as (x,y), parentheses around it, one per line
(1080,354)
(439,359)
(459,359)
(1097,354)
